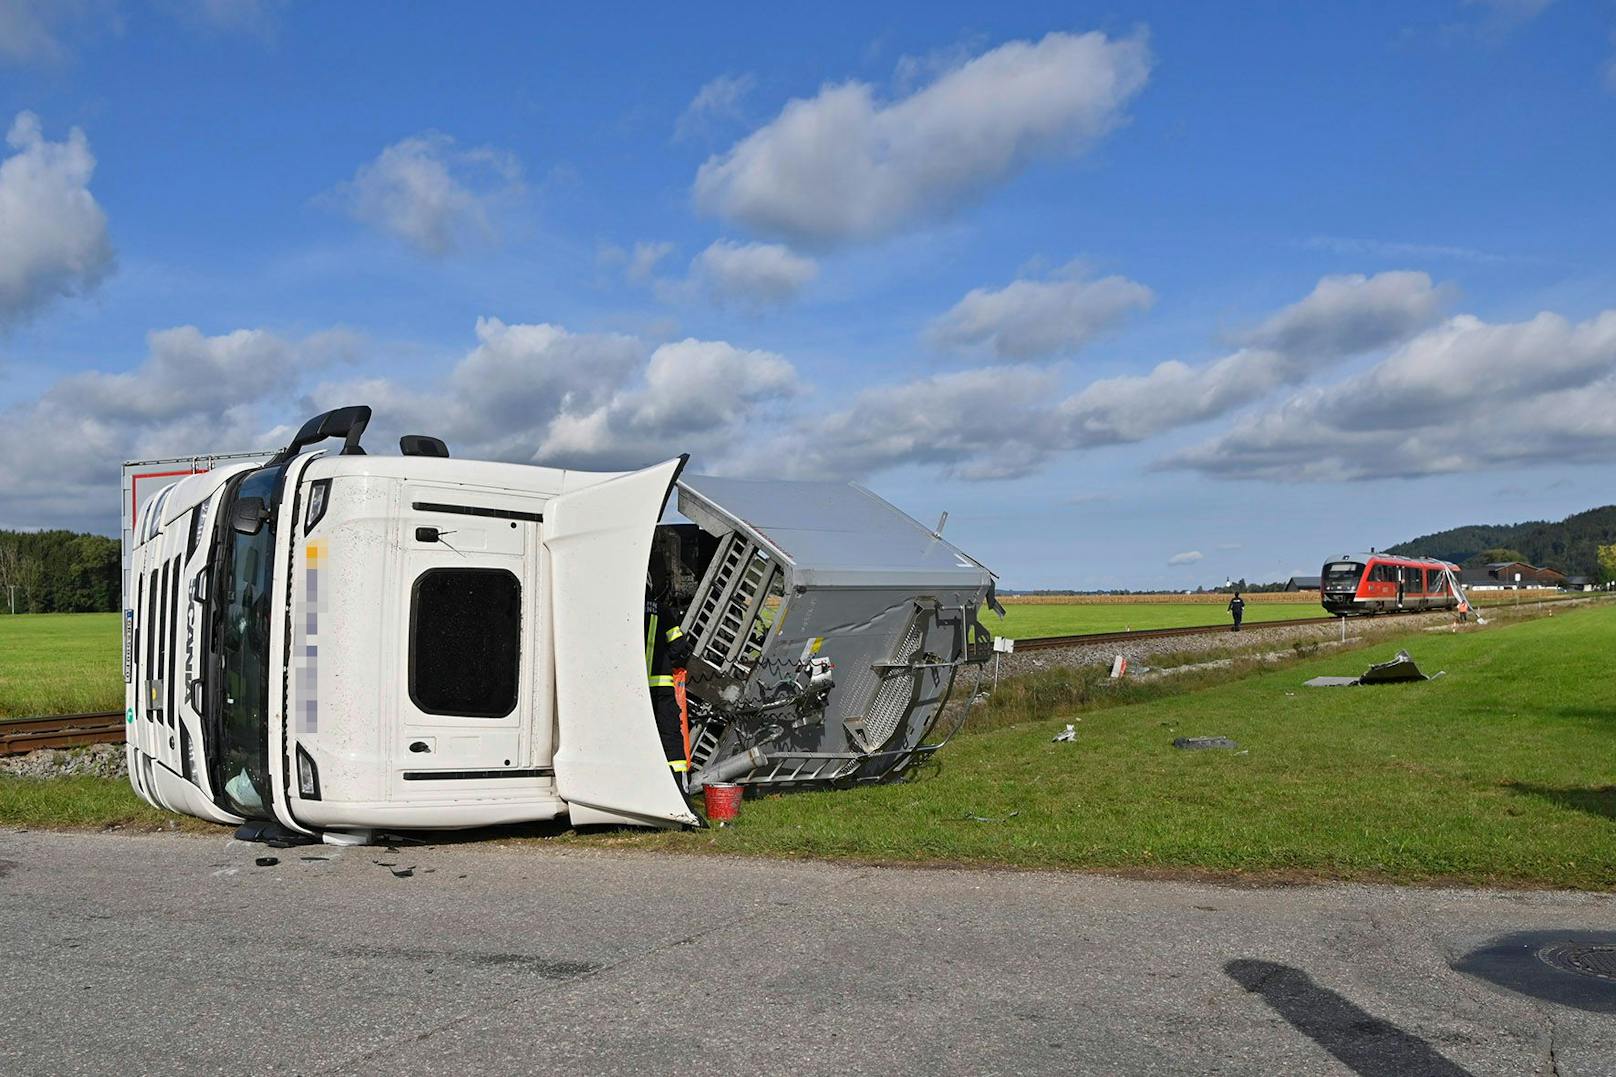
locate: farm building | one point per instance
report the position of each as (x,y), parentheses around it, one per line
(1509,575)
(1302,583)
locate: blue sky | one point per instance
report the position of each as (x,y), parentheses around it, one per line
(1144,296)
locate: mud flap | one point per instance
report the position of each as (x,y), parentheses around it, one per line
(608,762)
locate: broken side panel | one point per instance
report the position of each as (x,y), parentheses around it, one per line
(827,631)
(609,764)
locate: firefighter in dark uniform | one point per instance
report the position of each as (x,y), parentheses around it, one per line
(1237,608)
(666,650)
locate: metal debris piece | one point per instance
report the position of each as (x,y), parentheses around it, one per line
(267,861)
(1196,744)
(1400,670)
(1069,733)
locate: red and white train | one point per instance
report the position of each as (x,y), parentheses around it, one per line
(1383,583)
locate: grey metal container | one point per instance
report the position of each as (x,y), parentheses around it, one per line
(827,631)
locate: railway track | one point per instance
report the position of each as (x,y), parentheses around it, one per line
(60,731)
(1047,643)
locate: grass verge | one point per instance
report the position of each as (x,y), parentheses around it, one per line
(60,663)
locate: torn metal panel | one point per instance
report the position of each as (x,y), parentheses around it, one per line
(826,631)
(1399,670)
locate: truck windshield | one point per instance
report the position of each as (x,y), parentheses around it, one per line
(1342,574)
(241,599)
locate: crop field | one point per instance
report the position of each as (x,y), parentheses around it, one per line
(60,663)
(1024,620)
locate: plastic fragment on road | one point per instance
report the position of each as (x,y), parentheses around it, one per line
(1067,734)
(1196,744)
(1401,669)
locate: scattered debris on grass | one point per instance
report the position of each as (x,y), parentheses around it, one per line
(1196,744)
(1067,734)
(1401,669)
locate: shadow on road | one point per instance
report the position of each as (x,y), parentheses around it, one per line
(1362,1042)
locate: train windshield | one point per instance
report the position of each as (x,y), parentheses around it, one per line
(239,600)
(1342,574)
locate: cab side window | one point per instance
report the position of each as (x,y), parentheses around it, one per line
(466,641)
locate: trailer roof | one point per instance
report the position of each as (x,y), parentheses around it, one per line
(836,534)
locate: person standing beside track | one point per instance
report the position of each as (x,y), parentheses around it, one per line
(1237,609)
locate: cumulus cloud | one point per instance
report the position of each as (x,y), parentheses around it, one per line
(53,234)
(1347,314)
(432,195)
(1188,557)
(643,261)
(33,31)
(717,101)
(1009,421)
(526,393)
(1463,396)
(752,274)
(844,166)
(542,394)
(192,393)
(1034,319)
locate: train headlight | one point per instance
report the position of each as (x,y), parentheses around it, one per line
(308,775)
(319,495)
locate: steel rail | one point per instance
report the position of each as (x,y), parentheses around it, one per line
(60,731)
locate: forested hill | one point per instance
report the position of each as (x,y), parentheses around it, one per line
(58,572)
(1568,546)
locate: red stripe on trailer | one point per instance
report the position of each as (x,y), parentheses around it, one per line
(134,491)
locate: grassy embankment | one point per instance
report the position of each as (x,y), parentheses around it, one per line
(1498,772)
(60,663)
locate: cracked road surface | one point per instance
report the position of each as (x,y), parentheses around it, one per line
(180,954)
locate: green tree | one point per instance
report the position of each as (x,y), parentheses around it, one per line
(1607,563)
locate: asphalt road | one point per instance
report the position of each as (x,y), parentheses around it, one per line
(179,954)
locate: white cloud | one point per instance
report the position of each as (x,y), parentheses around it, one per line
(753,274)
(844,166)
(1010,420)
(1347,314)
(527,393)
(695,394)
(1031,319)
(1464,396)
(542,394)
(53,234)
(974,424)
(436,197)
(719,100)
(33,31)
(1610,66)
(192,393)
(1188,557)
(643,262)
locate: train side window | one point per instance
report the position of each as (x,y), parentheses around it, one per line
(1435,584)
(1384,574)
(466,641)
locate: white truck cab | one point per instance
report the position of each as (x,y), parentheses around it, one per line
(339,642)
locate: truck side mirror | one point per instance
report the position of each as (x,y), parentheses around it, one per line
(248,516)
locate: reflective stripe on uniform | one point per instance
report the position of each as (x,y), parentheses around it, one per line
(664,680)
(678,766)
(674,633)
(650,640)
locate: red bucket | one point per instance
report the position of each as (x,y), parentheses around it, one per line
(723,801)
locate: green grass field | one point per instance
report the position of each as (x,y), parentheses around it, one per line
(1029,620)
(1499,772)
(60,663)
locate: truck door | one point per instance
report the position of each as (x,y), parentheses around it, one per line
(609,764)
(467,640)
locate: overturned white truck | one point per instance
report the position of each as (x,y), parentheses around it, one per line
(340,642)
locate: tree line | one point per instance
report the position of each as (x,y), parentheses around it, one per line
(59,572)
(1570,546)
